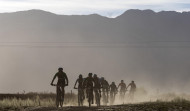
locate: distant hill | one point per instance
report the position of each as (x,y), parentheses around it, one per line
(133,25)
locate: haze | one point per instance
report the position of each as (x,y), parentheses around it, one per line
(148,47)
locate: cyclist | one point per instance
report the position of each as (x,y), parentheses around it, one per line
(113,92)
(105,90)
(123,89)
(89,84)
(132,89)
(97,91)
(81,97)
(62,78)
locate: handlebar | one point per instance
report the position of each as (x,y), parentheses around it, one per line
(54,84)
(58,85)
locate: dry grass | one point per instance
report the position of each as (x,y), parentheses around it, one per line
(22,101)
(17,101)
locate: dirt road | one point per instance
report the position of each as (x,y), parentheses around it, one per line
(162,106)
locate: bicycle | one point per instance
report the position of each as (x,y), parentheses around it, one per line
(112,97)
(104,98)
(122,95)
(80,96)
(97,96)
(59,95)
(89,95)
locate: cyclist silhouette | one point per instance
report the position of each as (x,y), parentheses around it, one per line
(123,89)
(89,84)
(97,89)
(113,92)
(80,88)
(132,89)
(97,84)
(105,90)
(62,78)
(80,81)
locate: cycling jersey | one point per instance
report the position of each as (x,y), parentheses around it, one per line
(113,88)
(61,78)
(133,87)
(80,83)
(88,82)
(105,86)
(123,86)
(97,83)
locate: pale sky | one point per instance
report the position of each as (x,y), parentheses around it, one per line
(108,8)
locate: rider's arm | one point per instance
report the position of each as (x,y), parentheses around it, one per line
(118,86)
(116,89)
(128,86)
(66,78)
(84,82)
(53,79)
(93,82)
(75,83)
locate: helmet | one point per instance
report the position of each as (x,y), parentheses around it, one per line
(60,69)
(132,81)
(89,74)
(122,81)
(80,76)
(95,75)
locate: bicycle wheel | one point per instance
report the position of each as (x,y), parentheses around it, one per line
(90,94)
(58,97)
(81,97)
(89,101)
(104,99)
(97,96)
(111,98)
(98,99)
(62,93)
(61,101)
(57,102)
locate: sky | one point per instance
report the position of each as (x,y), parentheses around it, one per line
(109,8)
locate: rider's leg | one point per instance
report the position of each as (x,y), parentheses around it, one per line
(95,92)
(87,94)
(92,96)
(83,96)
(107,95)
(63,93)
(78,97)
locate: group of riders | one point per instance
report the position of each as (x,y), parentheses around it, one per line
(95,88)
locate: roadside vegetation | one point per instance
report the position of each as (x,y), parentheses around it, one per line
(18,101)
(162,102)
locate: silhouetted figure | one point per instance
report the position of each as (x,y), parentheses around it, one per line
(123,89)
(132,89)
(80,88)
(105,90)
(97,89)
(89,84)
(113,92)
(62,80)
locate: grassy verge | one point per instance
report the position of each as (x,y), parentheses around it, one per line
(32,100)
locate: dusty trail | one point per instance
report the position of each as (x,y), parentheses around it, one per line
(129,107)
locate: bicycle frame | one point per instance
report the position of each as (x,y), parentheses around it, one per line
(97,96)
(80,96)
(90,95)
(59,96)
